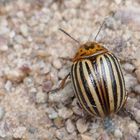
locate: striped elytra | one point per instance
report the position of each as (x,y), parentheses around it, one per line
(98,80)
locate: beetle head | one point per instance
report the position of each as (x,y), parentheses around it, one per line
(88,50)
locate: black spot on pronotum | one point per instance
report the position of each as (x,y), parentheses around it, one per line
(87,47)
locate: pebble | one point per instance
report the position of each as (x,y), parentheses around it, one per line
(46,86)
(12,34)
(132,128)
(138,74)
(129,137)
(138,136)
(70,126)
(61,133)
(109,125)
(19,39)
(3,48)
(15,75)
(8,86)
(46,69)
(65,112)
(59,122)
(3,44)
(2,130)
(57,63)
(118,133)
(137,105)
(2,112)
(104,136)
(128,67)
(24,30)
(41,97)
(19,132)
(130,103)
(62,73)
(42,54)
(130,81)
(137,115)
(137,89)
(86,137)
(77,110)
(4,30)
(51,113)
(81,125)
(118,1)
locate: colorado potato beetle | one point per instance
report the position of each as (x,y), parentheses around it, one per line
(97,79)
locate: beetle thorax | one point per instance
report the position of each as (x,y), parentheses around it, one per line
(89,50)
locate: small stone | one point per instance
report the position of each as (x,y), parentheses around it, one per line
(130,81)
(118,133)
(130,103)
(3,44)
(41,97)
(137,105)
(82,126)
(118,1)
(8,86)
(2,130)
(137,115)
(32,130)
(62,73)
(59,122)
(129,137)
(138,74)
(61,133)
(15,75)
(3,48)
(25,69)
(12,34)
(65,113)
(2,112)
(51,113)
(42,53)
(4,30)
(138,136)
(137,89)
(86,137)
(19,132)
(57,63)
(20,39)
(46,86)
(104,136)
(46,69)
(132,128)
(70,126)
(109,125)
(128,67)
(77,110)
(24,30)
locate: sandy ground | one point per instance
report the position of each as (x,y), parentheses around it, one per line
(31,47)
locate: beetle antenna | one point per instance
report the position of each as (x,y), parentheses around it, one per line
(100,28)
(69,35)
(112,14)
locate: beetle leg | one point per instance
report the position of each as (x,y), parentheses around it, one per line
(87,118)
(122,60)
(62,84)
(131,115)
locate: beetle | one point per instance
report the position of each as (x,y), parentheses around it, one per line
(97,79)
